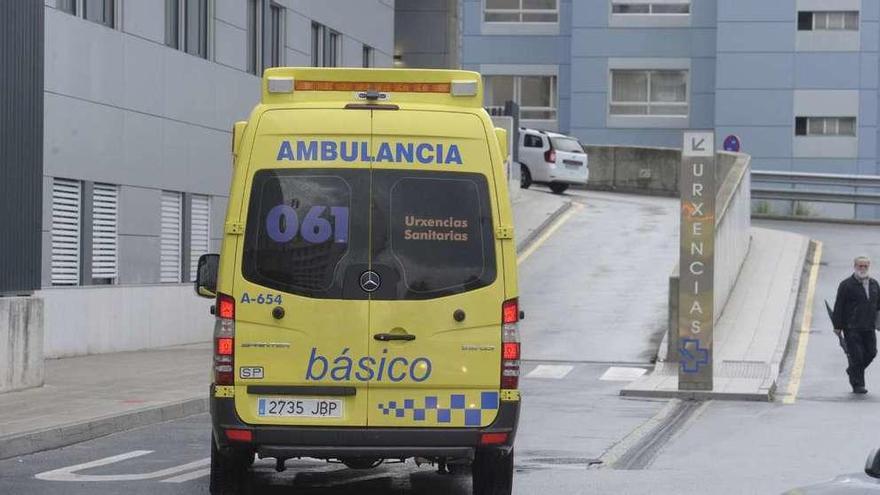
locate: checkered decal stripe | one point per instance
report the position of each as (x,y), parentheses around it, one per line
(430,408)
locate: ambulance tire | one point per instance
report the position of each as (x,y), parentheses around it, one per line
(229,471)
(558,187)
(525,177)
(493,472)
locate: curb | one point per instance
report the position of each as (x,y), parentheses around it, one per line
(73,433)
(533,235)
(69,434)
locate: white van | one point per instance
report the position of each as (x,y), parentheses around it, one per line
(553,159)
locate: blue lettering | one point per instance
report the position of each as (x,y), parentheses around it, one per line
(346,157)
(245,298)
(313,359)
(278,232)
(365,152)
(285,152)
(366,366)
(420,149)
(328,151)
(391,364)
(382,366)
(426,366)
(453,155)
(384,153)
(439,153)
(303,153)
(404,153)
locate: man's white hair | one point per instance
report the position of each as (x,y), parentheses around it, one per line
(861,258)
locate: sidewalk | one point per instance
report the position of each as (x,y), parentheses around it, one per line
(92,396)
(751,335)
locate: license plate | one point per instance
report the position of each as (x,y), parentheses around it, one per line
(287,407)
(572,167)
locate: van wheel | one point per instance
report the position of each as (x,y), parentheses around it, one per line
(558,188)
(493,472)
(229,471)
(525,177)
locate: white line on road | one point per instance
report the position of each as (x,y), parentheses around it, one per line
(69,473)
(620,374)
(556,372)
(183,478)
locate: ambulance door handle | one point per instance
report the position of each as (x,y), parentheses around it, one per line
(385,337)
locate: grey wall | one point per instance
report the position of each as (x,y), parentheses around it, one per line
(21,144)
(426,33)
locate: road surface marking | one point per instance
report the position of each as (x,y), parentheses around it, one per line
(797,371)
(183,478)
(69,473)
(554,371)
(575,208)
(618,374)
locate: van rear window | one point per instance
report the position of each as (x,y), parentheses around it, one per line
(434,230)
(305,232)
(314,233)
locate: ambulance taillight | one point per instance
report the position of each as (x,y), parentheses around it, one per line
(224,341)
(510,346)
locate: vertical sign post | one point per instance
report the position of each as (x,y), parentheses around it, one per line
(696,312)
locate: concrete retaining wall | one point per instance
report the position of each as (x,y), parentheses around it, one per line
(94,320)
(21,343)
(639,170)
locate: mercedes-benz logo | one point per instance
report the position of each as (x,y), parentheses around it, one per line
(370,281)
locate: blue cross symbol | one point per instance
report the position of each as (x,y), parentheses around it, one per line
(692,355)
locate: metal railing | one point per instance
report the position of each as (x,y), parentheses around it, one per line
(796,179)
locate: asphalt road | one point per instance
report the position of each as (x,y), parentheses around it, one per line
(583,317)
(573,420)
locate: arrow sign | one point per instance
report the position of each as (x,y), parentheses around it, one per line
(699,143)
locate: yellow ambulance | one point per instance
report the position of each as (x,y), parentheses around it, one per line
(366,294)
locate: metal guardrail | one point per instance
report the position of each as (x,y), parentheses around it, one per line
(813,179)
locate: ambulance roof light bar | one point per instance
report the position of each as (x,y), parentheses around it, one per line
(369,89)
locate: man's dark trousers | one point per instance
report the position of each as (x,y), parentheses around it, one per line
(861,348)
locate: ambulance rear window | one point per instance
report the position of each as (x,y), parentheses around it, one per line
(434,230)
(304,233)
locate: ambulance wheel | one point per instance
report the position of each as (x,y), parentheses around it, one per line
(493,472)
(558,188)
(229,471)
(525,177)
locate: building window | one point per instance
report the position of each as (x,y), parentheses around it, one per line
(331,49)
(649,92)
(99,11)
(535,95)
(68,6)
(66,222)
(105,221)
(325,46)
(254,16)
(186,26)
(367,59)
(276,35)
(825,126)
(521,11)
(675,7)
(199,235)
(170,237)
(828,21)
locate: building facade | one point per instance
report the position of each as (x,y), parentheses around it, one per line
(139,102)
(795,80)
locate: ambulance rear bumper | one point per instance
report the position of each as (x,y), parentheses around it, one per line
(342,442)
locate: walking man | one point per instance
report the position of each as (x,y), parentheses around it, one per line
(855,314)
